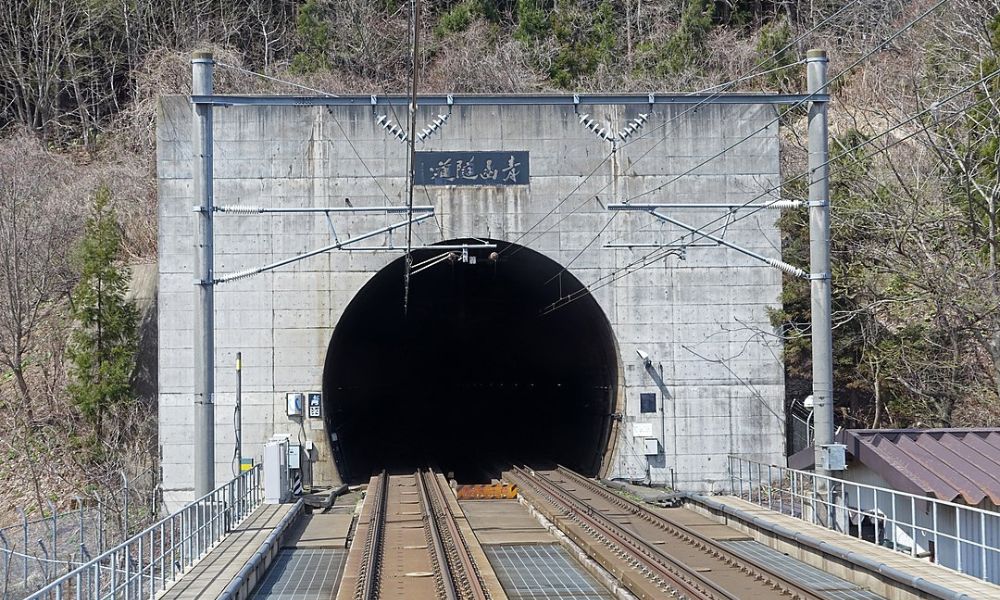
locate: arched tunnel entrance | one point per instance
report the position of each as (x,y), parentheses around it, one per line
(475,373)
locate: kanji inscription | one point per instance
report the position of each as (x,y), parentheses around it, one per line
(472,168)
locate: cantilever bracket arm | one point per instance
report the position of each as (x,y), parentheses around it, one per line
(335,246)
(709,205)
(241,209)
(778,264)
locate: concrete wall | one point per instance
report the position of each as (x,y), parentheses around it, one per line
(702,320)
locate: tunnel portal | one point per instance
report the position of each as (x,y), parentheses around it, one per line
(475,373)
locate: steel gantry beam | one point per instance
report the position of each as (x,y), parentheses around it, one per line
(511,100)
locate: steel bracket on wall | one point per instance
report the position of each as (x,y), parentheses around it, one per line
(698,233)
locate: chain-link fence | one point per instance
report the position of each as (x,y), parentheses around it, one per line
(155,556)
(37,550)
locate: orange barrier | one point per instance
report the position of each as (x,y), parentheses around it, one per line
(486,491)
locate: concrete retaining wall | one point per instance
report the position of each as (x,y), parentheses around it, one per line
(700,319)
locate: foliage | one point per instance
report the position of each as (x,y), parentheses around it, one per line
(975,169)
(532,19)
(586,40)
(313,31)
(774,52)
(684,48)
(104,344)
(914,319)
(458,18)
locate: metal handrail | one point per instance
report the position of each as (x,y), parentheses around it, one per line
(956,536)
(143,565)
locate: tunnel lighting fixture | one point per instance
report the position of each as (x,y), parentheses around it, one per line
(644,357)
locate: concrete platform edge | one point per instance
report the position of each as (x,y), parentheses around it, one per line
(860,561)
(254,569)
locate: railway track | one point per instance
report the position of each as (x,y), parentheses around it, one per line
(411,546)
(653,555)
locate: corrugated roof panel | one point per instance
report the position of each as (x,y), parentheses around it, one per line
(945,463)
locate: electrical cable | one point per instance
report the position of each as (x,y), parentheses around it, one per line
(662,252)
(807,98)
(763,128)
(336,121)
(721,87)
(777,188)
(275,79)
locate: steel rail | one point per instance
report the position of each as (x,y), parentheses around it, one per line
(672,572)
(440,556)
(458,543)
(373,542)
(689,535)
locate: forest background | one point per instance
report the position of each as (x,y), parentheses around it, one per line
(915,127)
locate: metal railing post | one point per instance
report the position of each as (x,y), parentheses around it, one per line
(958,537)
(937,543)
(24,560)
(55,531)
(982,541)
(8,555)
(127,570)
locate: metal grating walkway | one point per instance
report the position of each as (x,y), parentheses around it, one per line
(303,574)
(542,572)
(801,573)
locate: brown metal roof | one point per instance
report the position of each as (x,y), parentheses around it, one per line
(948,464)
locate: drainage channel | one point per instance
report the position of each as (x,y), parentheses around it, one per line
(303,574)
(542,572)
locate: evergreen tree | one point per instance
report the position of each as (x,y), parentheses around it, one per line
(104,344)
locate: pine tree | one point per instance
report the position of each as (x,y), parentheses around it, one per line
(104,344)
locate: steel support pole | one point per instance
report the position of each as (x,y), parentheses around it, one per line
(239,414)
(819,256)
(204,334)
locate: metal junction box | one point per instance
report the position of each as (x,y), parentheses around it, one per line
(832,457)
(652,447)
(294,456)
(294,402)
(276,471)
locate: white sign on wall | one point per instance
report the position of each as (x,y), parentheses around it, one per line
(642,429)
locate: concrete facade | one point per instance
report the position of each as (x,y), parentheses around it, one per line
(702,319)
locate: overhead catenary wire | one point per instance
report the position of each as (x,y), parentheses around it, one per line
(411,160)
(250,73)
(878,47)
(868,141)
(722,88)
(729,147)
(336,121)
(671,248)
(662,252)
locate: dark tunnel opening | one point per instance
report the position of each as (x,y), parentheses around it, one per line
(476,374)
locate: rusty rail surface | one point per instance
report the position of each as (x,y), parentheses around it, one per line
(614,540)
(462,566)
(685,534)
(414,549)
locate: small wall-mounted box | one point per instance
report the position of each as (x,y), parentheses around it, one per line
(832,457)
(294,456)
(652,447)
(294,402)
